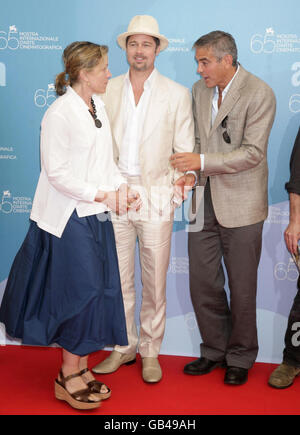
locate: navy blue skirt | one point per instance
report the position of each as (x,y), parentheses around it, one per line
(67,290)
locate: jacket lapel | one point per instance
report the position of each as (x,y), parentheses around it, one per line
(205,109)
(154,112)
(156,108)
(230,99)
(116,115)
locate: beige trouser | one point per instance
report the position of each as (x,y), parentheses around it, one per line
(154,241)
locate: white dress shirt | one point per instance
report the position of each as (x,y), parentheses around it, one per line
(134,119)
(76,162)
(215,108)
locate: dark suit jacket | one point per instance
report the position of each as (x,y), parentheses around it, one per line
(293,186)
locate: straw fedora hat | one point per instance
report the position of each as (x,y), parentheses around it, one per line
(143,25)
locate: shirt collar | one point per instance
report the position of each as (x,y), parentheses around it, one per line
(225,90)
(97,98)
(148,83)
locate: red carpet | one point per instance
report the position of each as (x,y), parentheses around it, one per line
(27,375)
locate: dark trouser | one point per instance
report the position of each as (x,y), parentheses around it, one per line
(228,332)
(291,353)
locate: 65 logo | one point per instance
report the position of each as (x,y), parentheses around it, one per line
(6,202)
(14,204)
(45,97)
(9,39)
(263,43)
(294,102)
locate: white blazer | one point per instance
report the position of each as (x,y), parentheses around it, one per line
(76,161)
(168,128)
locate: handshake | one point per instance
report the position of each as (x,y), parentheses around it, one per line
(120,201)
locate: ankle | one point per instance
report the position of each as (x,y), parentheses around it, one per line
(68,370)
(83,363)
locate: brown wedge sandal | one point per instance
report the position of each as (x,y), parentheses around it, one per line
(79,399)
(95,387)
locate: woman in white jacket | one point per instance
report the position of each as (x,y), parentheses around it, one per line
(64,285)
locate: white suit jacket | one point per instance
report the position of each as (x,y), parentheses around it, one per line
(169,128)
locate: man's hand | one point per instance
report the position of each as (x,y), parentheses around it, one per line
(182,186)
(186,161)
(292,233)
(292,236)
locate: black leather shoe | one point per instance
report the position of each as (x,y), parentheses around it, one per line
(202,366)
(236,376)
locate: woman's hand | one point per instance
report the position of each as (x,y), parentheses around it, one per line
(116,201)
(132,197)
(101,196)
(120,201)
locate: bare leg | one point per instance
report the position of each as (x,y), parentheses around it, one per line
(70,366)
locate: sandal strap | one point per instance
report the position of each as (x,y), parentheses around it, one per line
(83,371)
(68,378)
(80,395)
(83,396)
(95,385)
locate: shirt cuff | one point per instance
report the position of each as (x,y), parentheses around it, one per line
(90,194)
(202,162)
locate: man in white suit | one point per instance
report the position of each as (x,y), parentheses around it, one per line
(151,118)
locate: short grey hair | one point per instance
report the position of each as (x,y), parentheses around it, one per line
(221,43)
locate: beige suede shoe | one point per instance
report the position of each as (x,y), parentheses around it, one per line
(114,361)
(283,376)
(151,370)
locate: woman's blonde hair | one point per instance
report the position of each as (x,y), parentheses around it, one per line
(78,56)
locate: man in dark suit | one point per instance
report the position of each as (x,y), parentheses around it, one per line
(283,376)
(233,113)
